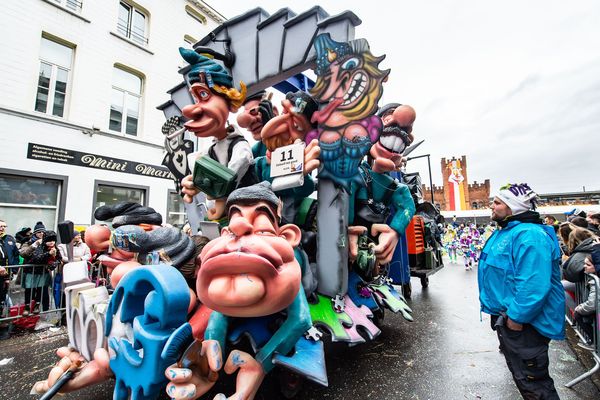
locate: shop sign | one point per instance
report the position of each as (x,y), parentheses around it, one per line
(43,152)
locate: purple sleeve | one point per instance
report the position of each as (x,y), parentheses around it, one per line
(314,134)
(374,126)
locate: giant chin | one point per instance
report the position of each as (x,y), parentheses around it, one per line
(258,299)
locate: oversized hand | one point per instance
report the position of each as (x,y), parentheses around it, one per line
(387,241)
(383,165)
(249,377)
(188,189)
(192,383)
(353,233)
(311,156)
(266,110)
(89,374)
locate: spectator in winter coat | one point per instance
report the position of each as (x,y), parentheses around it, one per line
(594,223)
(519,286)
(48,256)
(28,247)
(9,255)
(586,309)
(81,251)
(580,243)
(23,236)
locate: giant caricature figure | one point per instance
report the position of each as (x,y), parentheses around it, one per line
(397,135)
(214,98)
(258,110)
(250,271)
(350,83)
(380,191)
(288,128)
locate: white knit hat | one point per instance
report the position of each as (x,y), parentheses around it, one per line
(518,197)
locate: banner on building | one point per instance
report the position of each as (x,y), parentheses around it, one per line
(72,157)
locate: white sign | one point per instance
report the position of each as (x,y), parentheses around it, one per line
(287,160)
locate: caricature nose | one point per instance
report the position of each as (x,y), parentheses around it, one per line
(193,111)
(240,227)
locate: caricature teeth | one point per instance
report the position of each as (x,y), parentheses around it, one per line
(392,143)
(357,87)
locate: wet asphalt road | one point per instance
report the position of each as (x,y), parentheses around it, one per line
(446,353)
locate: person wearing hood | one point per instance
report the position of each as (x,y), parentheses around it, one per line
(520,288)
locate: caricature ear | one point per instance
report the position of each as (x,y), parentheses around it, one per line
(291,233)
(225,231)
(275,111)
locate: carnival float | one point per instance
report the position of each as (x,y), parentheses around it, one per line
(300,237)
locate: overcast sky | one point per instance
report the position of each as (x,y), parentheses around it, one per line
(513,85)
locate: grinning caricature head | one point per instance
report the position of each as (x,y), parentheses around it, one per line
(397,132)
(294,122)
(250,270)
(348,77)
(214,96)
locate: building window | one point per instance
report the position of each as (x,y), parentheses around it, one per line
(55,66)
(107,193)
(132,23)
(26,200)
(195,14)
(73,5)
(189,41)
(125,102)
(175,210)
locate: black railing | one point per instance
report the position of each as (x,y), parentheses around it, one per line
(581,326)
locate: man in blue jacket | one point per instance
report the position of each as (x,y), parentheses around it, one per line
(519,286)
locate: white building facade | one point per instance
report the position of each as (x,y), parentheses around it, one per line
(79,86)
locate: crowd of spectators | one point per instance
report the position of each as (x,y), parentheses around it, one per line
(579,238)
(40,275)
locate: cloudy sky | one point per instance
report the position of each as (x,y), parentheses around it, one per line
(513,85)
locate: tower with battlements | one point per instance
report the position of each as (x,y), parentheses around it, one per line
(457,193)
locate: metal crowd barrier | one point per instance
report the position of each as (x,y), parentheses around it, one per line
(582,292)
(34,278)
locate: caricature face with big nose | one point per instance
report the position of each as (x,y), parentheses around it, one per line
(250,270)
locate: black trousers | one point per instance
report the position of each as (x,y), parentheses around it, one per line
(526,354)
(40,295)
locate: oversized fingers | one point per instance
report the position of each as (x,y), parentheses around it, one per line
(193,382)
(387,241)
(249,378)
(188,189)
(353,233)
(311,156)
(89,374)
(185,383)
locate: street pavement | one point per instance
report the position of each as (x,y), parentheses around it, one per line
(448,352)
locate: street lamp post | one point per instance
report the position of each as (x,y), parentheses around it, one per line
(429,167)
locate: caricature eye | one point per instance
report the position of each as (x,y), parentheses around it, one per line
(203,95)
(350,63)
